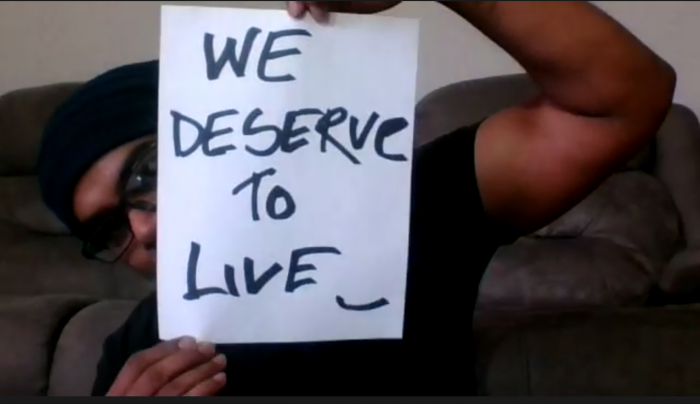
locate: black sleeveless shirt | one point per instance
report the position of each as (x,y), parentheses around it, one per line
(451,243)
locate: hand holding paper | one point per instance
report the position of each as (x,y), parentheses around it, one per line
(319,9)
(178,367)
(285,154)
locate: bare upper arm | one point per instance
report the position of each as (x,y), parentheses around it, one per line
(536,161)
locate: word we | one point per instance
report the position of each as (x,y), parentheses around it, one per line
(239,63)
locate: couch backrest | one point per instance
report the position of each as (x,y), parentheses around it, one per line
(469,101)
(23,115)
(447,108)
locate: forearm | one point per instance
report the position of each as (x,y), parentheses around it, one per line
(583,60)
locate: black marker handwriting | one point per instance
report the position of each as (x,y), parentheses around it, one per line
(277,193)
(254,284)
(379,303)
(295,267)
(239,62)
(334,129)
(193,292)
(329,127)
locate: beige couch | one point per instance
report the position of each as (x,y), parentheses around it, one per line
(567,310)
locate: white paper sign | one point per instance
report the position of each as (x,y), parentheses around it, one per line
(284,158)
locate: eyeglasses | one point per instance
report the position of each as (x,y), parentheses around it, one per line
(109,236)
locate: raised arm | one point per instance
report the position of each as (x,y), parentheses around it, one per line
(604,95)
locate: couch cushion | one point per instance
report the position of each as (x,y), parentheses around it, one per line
(634,352)
(554,274)
(633,210)
(80,346)
(609,250)
(30,329)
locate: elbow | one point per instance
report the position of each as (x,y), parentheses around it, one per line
(666,78)
(651,94)
(647,103)
(636,89)
(640,95)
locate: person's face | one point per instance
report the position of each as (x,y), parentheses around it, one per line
(116,201)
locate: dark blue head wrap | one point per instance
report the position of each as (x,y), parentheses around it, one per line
(114,108)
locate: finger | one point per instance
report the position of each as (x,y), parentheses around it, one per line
(190,379)
(318,12)
(296,9)
(141,361)
(161,373)
(208,387)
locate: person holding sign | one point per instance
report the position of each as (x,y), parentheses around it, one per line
(603,96)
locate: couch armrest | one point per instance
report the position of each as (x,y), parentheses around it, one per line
(79,347)
(30,328)
(552,274)
(678,166)
(682,274)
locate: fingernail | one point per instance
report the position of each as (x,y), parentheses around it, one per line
(206,348)
(220,359)
(187,343)
(319,15)
(220,377)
